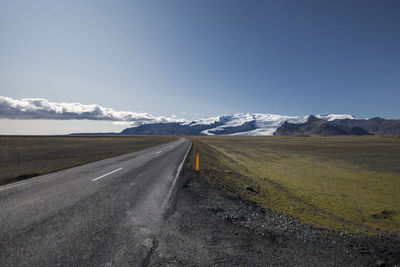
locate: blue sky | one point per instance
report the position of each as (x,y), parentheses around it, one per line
(205,58)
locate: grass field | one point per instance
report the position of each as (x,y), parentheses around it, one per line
(342,183)
(22,157)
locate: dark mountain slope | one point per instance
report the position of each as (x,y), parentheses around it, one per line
(320,127)
(376,126)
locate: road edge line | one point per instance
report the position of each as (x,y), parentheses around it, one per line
(179,170)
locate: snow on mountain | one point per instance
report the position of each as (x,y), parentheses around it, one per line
(331,117)
(265,124)
(233,120)
(268,123)
(206,121)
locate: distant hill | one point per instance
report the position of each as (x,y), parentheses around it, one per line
(95,134)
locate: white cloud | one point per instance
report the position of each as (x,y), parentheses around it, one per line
(38,108)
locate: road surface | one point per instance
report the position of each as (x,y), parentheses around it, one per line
(99,214)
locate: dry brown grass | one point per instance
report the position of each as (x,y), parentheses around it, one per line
(22,157)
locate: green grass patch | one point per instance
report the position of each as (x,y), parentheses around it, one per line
(341,183)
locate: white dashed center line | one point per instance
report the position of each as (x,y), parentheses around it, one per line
(106,174)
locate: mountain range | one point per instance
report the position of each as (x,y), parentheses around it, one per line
(317,126)
(253,124)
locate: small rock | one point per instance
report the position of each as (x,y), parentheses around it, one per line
(250,188)
(380,263)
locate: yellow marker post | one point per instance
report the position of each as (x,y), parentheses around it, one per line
(197,161)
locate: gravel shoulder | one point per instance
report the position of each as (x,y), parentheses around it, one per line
(205,226)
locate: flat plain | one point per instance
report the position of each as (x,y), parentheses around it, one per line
(346,183)
(22,157)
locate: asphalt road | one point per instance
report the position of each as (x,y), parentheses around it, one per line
(103,213)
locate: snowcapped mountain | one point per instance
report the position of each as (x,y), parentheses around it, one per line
(245,124)
(264,124)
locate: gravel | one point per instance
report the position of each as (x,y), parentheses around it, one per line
(205,226)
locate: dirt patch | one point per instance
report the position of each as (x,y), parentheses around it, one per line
(386,214)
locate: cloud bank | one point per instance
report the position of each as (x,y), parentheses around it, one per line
(38,108)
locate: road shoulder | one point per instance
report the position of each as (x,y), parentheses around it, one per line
(206,226)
